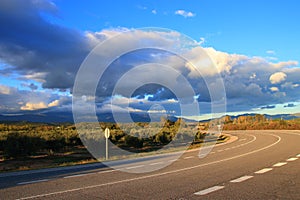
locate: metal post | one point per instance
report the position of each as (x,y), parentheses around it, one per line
(106,149)
(106,134)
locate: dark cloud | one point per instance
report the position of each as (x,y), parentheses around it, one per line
(268,107)
(31,86)
(290,105)
(31,44)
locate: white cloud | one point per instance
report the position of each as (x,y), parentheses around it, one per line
(5,89)
(185,13)
(54,103)
(271,52)
(286,64)
(34,106)
(274,89)
(154,12)
(277,77)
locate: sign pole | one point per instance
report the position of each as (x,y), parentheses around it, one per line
(106,134)
(106,156)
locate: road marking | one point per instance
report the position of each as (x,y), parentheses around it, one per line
(158,174)
(262,171)
(209,190)
(227,149)
(220,150)
(298,155)
(212,152)
(133,167)
(279,164)
(241,179)
(106,171)
(36,181)
(76,175)
(173,160)
(188,157)
(157,163)
(291,159)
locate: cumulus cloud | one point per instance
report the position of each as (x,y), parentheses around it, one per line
(185,13)
(14,100)
(53,103)
(40,47)
(51,55)
(34,106)
(277,77)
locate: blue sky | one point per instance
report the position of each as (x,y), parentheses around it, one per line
(255,45)
(244,27)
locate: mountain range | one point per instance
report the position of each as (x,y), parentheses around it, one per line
(61,117)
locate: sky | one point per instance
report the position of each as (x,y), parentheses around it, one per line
(253,44)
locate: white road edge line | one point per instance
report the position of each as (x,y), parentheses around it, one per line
(158,174)
(262,171)
(157,163)
(133,167)
(76,175)
(279,164)
(106,171)
(188,157)
(291,159)
(241,179)
(209,190)
(36,181)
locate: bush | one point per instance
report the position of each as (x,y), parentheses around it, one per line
(135,142)
(17,145)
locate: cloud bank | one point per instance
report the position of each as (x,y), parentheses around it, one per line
(48,54)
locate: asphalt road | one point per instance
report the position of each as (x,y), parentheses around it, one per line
(258,165)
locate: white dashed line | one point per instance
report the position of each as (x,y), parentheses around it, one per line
(107,171)
(138,166)
(241,179)
(77,175)
(157,163)
(188,157)
(161,174)
(209,190)
(36,181)
(219,150)
(291,159)
(262,171)
(279,164)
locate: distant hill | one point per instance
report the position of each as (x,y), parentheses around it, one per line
(278,116)
(59,117)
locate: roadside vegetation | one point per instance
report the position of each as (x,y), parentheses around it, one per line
(26,145)
(259,122)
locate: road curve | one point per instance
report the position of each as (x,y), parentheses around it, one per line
(258,165)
